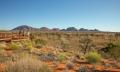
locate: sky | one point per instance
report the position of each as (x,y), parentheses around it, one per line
(100,14)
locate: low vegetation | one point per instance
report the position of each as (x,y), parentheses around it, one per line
(39,43)
(60,51)
(28,45)
(83,69)
(61,57)
(27,65)
(93,57)
(15,46)
(111,50)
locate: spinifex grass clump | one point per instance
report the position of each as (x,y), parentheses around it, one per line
(61,57)
(15,46)
(39,43)
(93,57)
(27,65)
(27,44)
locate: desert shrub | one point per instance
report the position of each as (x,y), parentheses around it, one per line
(114,50)
(111,45)
(65,46)
(70,65)
(27,65)
(15,46)
(111,50)
(93,57)
(27,44)
(39,43)
(115,53)
(83,69)
(82,57)
(48,57)
(61,56)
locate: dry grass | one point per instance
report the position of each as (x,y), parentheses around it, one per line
(2,45)
(27,65)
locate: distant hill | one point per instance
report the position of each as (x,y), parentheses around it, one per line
(81,29)
(25,27)
(44,29)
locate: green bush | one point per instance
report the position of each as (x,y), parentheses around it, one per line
(111,50)
(111,45)
(27,65)
(15,46)
(27,44)
(65,46)
(39,43)
(61,56)
(115,52)
(93,57)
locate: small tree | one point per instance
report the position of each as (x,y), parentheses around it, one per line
(86,44)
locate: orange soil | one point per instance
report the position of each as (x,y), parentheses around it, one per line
(2,67)
(62,66)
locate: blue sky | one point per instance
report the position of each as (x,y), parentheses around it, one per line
(100,14)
